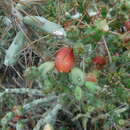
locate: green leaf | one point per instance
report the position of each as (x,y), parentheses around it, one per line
(104,12)
(77,76)
(92,87)
(78,93)
(46,67)
(92,34)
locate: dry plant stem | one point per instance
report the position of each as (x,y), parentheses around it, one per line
(33,42)
(19,19)
(80,116)
(100,117)
(28,1)
(23,4)
(109,54)
(115,33)
(6,6)
(50,117)
(17,72)
(7,29)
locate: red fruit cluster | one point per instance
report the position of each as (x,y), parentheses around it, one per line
(127,25)
(17,118)
(64,60)
(91,77)
(100,60)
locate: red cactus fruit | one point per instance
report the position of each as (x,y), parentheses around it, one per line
(127,25)
(64,60)
(100,60)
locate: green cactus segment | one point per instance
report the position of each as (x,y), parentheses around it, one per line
(45,25)
(46,67)
(13,52)
(34,104)
(77,76)
(78,93)
(48,127)
(38,73)
(49,118)
(24,91)
(7,118)
(20,126)
(6,20)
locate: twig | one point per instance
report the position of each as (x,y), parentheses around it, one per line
(109,55)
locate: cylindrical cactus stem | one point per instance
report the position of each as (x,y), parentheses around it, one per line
(34,104)
(46,67)
(44,25)
(14,51)
(28,91)
(20,126)
(6,20)
(7,118)
(50,117)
